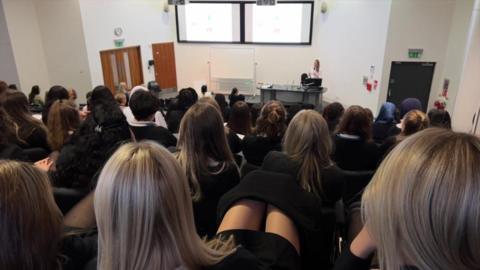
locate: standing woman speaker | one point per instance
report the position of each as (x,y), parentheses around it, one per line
(315,72)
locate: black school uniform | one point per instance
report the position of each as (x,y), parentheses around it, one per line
(255,148)
(355,154)
(155,133)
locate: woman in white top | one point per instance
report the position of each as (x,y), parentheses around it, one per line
(315,73)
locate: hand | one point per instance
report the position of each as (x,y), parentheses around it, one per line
(363,245)
(44,164)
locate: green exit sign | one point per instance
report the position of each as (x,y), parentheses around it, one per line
(415,53)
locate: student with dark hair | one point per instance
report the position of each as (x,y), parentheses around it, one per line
(30,132)
(205,92)
(224,109)
(440,119)
(354,147)
(235,96)
(185,99)
(8,147)
(34,97)
(384,122)
(206,159)
(55,93)
(332,113)
(268,133)
(240,119)
(92,144)
(13,87)
(144,105)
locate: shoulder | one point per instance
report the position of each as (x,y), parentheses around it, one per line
(279,162)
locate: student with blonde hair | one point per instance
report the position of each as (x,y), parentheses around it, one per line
(145,217)
(428,215)
(313,185)
(206,159)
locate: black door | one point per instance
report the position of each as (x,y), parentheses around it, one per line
(410,80)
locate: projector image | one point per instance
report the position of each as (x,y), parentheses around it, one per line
(266,2)
(176,2)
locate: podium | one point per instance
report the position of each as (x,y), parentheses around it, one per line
(292,94)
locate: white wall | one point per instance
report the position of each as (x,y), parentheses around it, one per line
(347,40)
(467,102)
(351,38)
(27,44)
(8,70)
(64,44)
(143,21)
(422,24)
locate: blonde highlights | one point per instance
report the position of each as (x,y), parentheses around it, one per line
(422,204)
(307,141)
(144,214)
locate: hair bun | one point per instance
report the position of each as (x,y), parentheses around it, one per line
(273,117)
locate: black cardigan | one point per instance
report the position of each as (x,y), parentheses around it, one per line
(313,217)
(356,154)
(155,133)
(255,148)
(213,186)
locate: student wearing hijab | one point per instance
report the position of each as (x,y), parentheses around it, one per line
(384,122)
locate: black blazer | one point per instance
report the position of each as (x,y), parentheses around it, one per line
(155,133)
(255,148)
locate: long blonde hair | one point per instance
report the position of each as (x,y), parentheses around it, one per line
(144,214)
(307,141)
(202,138)
(422,206)
(30,221)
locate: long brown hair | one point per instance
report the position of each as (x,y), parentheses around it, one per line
(145,216)
(16,105)
(63,120)
(307,142)
(240,118)
(202,138)
(356,121)
(30,221)
(7,128)
(272,120)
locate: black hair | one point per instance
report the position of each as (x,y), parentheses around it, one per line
(95,141)
(440,118)
(12,87)
(34,92)
(143,105)
(186,98)
(55,93)
(204,89)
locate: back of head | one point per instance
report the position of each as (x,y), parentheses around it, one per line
(3,87)
(221,100)
(202,138)
(413,122)
(204,89)
(239,119)
(428,215)
(186,98)
(144,105)
(55,93)
(386,114)
(409,104)
(440,118)
(63,120)
(356,122)
(104,108)
(143,180)
(30,220)
(307,141)
(234,92)
(333,111)
(34,92)
(272,120)
(210,101)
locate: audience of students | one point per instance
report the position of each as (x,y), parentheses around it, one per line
(413,122)
(421,208)
(144,105)
(267,135)
(384,122)
(153,208)
(206,159)
(30,132)
(332,113)
(439,118)
(354,147)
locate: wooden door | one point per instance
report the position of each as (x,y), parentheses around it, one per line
(122,65)
(165,69)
